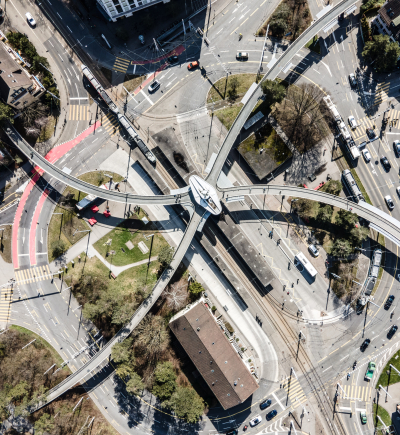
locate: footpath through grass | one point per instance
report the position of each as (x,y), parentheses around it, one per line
(64,225)
(220,89)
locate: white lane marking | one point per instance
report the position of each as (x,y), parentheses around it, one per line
(327,67)
(147,98)
(51,44)
(316,71)
(231,20)
(59,15)
(278,401)
(219,31)
(59,55)
(344,358)
(74,328)
(69,29)
(326,369)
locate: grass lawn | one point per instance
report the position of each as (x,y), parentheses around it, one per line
(126,283)
(217,91)
(394,376)
(5,244)
(133,230)
(132,82)
(360,185)
(228,115)
(313,45)
(63,226)
(383,414)
(47,132)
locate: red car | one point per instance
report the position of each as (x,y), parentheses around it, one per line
(193,65)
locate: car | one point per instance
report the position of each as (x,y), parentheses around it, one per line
(352,122)
(370,132)
(232,432)
(363,417)
(352,80)
(193,65)
(265,404)
(370,371)
(271,414)
(313,250)
(389,202)
(392,331)
(367,155)
(312,177)
(154,86)
(30,19)
(365,344)
(396,147)
(173,59)
(385,163)
(389,302)
(398,190)
(242,55)
(255,421)
(341,17)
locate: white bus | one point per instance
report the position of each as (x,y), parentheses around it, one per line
(301,260)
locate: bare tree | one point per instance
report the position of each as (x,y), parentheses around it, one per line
(32,113)
(176,295)
(41,122)
(152,336)
(32,131)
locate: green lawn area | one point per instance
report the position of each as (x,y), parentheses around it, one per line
(63,226)
(383,414)
(394,376)
(48,131)
(313,45)
(134,230)
(228,115)
(217,91)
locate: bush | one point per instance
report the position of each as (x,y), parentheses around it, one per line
(213,308)
(186,404)
(195,289)
(228,326)
(58,248)
(165,380)
(165,256)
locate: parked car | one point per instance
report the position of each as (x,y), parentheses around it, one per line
(271,414)
(255,421)
(370,371)
(341,17)
(398,190)
(392,331)
(352,122)
(365,344)
(389,202)
(352,80)
(193,65)
(312,177)
(232,432)
(385,163)
(154,86)
(313,250)
(367,155)
(363,417)
(265,404)
(370,132)
(173,59)
(30,19)
(242,55)
(396,147)
(389,302)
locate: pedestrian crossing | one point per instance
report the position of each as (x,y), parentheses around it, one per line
(79,112)
(34,274)
(381,94)
(294,390)
(121,65)
(361,393)
(393,117)
(110,124)
(362,125)
(6,297)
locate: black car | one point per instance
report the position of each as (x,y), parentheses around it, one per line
(173,59)
(389,302)
(271,414)
(396,147)
(365,344)
(232,432)
(265,404)
(385,163)
(392,331)
(370,133)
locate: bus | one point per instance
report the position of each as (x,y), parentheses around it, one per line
(302,263)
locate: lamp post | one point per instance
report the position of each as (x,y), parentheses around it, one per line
(62,215)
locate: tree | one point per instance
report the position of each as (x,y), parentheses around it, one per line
(346,219)
(175,296)
(195,289)
(303,206)
(366,29)
(341,248)
(358,234)
(6,114)
(33,112)
(165,256)
(135,384)
(334,187)
(44,424)
(382,51)
(325,214)
(152,336)
(40,63)
(164,380)
(186,404)
(278,26)
(123,313)
(233,86)
(58,248)
(122,353)
(273,92)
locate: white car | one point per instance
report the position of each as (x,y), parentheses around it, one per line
(352,122)
(30,19)
(367,156)
(398,190)
(389,202)
(154,86)
(254,422)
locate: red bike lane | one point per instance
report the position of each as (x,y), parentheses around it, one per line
(52,156)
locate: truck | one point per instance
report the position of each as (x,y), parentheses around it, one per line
(89,199)
(370,371)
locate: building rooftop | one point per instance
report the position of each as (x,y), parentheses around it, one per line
(390,15)
(214,357)
(11,72)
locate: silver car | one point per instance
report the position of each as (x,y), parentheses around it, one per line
(30,19)
(389,202)
(313,250)
(367,155)
(352,122)
(255,421)
(154,86)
